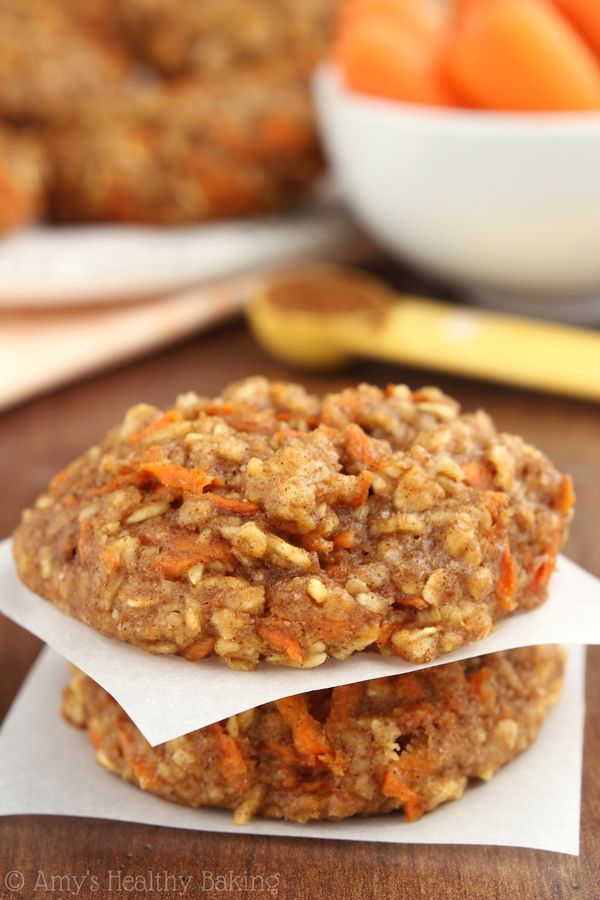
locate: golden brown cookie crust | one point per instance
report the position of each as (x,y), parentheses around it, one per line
(268,523)
(405,742)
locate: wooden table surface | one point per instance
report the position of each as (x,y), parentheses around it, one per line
(38,438)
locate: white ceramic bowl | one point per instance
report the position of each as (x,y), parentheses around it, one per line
(507,206)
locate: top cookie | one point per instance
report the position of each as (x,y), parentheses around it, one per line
(271,524)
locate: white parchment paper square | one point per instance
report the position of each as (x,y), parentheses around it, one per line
(167,696)
(48,767)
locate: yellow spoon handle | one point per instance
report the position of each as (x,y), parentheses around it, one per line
(466,341)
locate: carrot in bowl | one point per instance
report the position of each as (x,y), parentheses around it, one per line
(521,55)
(392,55)
(422,18)
(584,15)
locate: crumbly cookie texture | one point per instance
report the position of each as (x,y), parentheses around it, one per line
(272,524)
(405,742)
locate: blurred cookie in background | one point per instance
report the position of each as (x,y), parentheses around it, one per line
(49,65)
(23,176)
(165,113)
(173,154)
(216,36)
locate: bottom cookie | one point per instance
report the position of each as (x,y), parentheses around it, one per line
(405,742)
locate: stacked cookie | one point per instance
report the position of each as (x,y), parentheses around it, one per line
(157,113)
(269,526)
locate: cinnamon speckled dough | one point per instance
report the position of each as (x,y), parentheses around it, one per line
(406,742)
(271,524)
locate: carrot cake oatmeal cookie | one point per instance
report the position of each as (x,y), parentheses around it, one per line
(272,524)
(405,742)
(176,154)
(185,37)
(49,67)
(168,112)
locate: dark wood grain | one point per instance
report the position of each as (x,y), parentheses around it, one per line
(39,437)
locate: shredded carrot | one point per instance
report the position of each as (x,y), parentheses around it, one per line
(173,563)
(477,474)
(199,649)
(330,629)
(385,633)
(253,422)
(393,786)
(543,573)
(278,638)
(508,581)
(390,390)
(95,738)
(359,446)
(417,762)
(345,700)
(275,748)
(307,733)
(542,576)
(244,507)
(413,602)
(365,479)
(170,416)
(122,480)
(231,762)
(225,409)
(314,787)
(180,477)
(146,774)
(566,495)
(344,540)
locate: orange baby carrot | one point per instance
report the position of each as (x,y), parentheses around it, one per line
(382,57)
(421,17)
(584,15)
(521,55)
